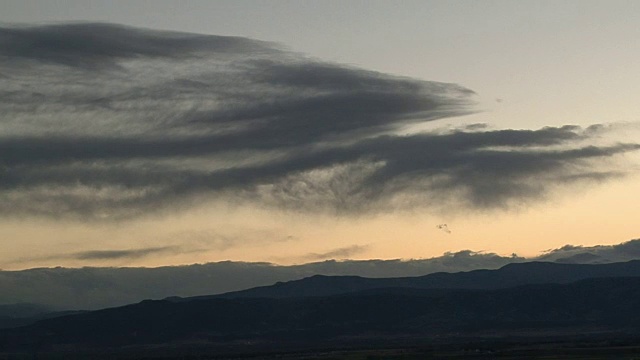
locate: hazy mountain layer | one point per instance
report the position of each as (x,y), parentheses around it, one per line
(94,288)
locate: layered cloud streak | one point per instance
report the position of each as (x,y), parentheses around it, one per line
(105,121)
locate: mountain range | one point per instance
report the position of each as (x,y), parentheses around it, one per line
(532,300)
(93,288)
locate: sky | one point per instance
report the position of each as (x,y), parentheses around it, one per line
(149,133)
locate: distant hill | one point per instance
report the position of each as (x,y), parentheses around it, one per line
(92,288)
(14,315)
(604,305)
(508,276)
(23,310)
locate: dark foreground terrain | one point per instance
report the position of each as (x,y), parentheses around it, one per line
(593,318)
(588,349)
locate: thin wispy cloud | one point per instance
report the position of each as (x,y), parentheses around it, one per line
(102,121)
(229,238)
(339,253)
(120,254)
(112,254)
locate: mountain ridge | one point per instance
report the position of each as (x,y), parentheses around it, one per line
(604,305)
(510,275)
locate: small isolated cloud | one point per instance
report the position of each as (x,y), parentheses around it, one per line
(103,121)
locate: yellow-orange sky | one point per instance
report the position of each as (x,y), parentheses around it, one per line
(532,64)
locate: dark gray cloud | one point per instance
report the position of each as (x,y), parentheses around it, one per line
(97,45)
(102,121)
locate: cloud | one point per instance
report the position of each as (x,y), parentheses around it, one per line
(98,45)
(221,240)
(120,254)
(102,121)
(598,254)
(339,253)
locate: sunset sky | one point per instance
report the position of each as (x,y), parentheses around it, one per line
(148,133)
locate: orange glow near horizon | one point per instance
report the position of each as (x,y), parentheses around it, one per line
(603,215)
